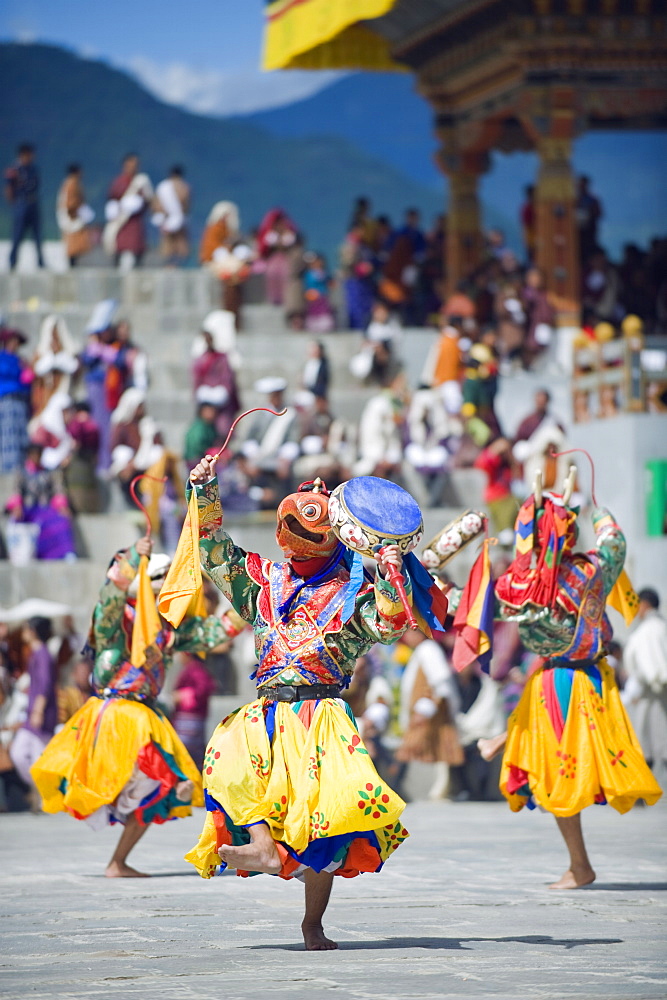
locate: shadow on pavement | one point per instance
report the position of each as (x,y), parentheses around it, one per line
(629,886)
(447,944)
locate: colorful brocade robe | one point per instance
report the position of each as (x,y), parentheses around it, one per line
(307,642)
(113,617)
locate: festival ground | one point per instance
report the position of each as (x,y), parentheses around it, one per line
(463,910)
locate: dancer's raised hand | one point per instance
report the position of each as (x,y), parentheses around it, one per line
(204,470)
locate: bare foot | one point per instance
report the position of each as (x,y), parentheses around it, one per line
(574,878)
(184,790)
(117,870)
(490,748)
(252,858)
(315,939)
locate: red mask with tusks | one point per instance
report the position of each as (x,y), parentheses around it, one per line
(304,531)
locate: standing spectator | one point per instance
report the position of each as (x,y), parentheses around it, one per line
(214,369)
(22,191)
(172,204)
(540,315)
(481,716)
(73,215)
(276,236)
(601,289)
(14,382)
(496,461)
(130,196)
(356,258)
(444,366)
(40,724)
(588,212)
(645,692)
(528,221)
(192,691)
(94,360)
(429,704)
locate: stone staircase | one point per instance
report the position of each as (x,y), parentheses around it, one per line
(165,308)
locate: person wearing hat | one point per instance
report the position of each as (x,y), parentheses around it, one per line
(15,379)
(272,442)
(119,758)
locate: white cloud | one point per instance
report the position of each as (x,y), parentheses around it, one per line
(215,92)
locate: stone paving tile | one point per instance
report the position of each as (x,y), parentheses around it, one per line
(462,911)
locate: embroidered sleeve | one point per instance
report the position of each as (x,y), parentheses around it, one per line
(379,615)
(108,613)
(201,634)
(225,563)
(610,546)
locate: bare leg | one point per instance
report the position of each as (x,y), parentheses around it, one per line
(131,835)
(318,890)
(260,855)
(490,748)
(580,871)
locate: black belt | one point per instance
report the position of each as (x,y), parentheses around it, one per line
(300,692)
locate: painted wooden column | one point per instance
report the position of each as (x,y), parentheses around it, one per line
(464,243)
(557,242)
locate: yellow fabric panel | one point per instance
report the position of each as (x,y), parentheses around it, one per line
(319,34)
(598,751)
(309,784)
(623,598)
(96,751)
(147,621)
(183,581)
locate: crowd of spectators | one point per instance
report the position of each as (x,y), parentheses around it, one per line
(401,264)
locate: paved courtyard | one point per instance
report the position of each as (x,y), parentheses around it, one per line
(462,910)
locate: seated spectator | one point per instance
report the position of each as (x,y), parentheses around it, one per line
(433,438)
(40,500)
(201,437)
(272,442)
(381,430)
(54,364)
(316,371)
(319,314)
(601,288)
(15,377)
(80,473)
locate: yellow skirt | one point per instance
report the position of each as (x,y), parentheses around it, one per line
(87,764)
(303,770)
(570,744)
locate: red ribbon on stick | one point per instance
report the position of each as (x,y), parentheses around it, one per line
(133,491)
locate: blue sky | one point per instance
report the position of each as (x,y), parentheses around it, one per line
(202,54)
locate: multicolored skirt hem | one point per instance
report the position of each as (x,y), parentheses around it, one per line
(570,745)
(302,769)
(89,762)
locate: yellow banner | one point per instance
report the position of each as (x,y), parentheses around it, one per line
(325,34)
(147,620)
